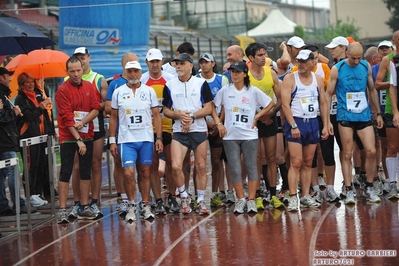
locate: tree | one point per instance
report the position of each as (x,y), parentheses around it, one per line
(253,22)
(393,7)
(341,29)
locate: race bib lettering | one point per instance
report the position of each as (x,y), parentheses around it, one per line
(356,102)
(134,119)
(310,106)
(334,105)
(383,97)
(241,117)
(78,116)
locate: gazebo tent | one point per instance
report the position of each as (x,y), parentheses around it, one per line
(275,24)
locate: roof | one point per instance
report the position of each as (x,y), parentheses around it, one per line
(275,24)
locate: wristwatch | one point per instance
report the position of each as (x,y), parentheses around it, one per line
(294,126)
(192,116)
(79,139)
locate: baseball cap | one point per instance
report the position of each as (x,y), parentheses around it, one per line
(337,41)
(133,64)
(241,66)
(81,50)
(385,43)
(305,55)
(207,57)
(296,42)
(183,57)
(154,54)
(4,70)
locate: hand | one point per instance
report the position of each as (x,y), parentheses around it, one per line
(17,111)
(324,133)
(82,148)
(330,129)
(159,146)
(78,125)
(1,104)
(296,134)
(282,46)
(380,122)
(113,149)
(222,130)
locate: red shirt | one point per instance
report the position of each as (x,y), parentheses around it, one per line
(69,99)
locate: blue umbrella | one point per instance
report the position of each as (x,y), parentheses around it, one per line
(18,37)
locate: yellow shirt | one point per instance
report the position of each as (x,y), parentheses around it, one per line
(266,83)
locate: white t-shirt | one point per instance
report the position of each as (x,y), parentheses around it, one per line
(393,79)
(240,110)
(135,114)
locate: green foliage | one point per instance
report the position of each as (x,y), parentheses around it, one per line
(393,7)
(299,31)
(254,22)
(341,29)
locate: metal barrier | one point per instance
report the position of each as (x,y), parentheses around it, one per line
(13,162)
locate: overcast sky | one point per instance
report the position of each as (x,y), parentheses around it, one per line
(317,3)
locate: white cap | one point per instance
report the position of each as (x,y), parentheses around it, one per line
(337,41)
(385,43)
(305,55)
(133,64)
(81,50)
(296,42)
(154,54)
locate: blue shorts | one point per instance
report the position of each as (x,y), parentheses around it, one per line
(130,152)
(309,128)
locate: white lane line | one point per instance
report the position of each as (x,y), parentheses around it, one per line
(59,239)
(177,241)
(315,233)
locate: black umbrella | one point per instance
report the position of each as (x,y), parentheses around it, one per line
(18,37)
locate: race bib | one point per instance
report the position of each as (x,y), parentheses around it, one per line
(241,118)
(334,105)
(134,118)
(310,106)
(356,102)
(383,97)
(78,116)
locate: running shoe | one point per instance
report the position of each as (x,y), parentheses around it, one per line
(185,205)
(350,197)
(216,201)
(308,202)
(222,197)
(96,210)
(122,208)
(240,206)
(356,180)
(377,185)
(86,214)
(370,195)
(251,206)
(322,183)
(393,191)
(73,214)
(201,208)
(131,214)
(332,196)
(292,204)
(276,203)
(318,196)
(386,187)
(267,196)
(230,198)
(145,212)
(62,216)
(36,201)
(159,208)
(173,206)
(259,203)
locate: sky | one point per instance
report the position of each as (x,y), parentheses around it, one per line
(317,3)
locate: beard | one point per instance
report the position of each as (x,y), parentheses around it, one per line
(133,81)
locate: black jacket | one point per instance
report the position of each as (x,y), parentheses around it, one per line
(49,127)
(9,134)
(29,123)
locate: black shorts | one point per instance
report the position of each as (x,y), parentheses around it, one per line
(279,125)
(166,138)
(356,125)
(191,140)
(98,135)
(67,153)
(265,131)
(215,141)
(388,120)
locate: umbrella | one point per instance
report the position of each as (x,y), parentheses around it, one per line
(40,64)
(18,37)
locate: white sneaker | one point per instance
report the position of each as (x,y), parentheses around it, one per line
(393,192)
(292,204)
(370,195)
(322,183)
(350,197)
(240,206)
(377,186)
(251,206)
(332,196)
(36,201)
(131,214)
(386,187)
(146,212)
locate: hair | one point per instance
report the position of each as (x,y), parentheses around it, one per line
(186,47)
(246,80)
(73,59)
(312,47)
(254,47)
(370,53)
(23,77)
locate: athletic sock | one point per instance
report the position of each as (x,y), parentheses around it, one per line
(183,192)
(201,195)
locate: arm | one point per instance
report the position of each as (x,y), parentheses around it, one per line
(113,122)
(286,89)
(324,112)
(332,82)
(380,81)
(374,99)
(158,128)
(284,60)
(103,93)
(323,59)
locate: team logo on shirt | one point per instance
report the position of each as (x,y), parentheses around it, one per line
(143,96)
(244,100)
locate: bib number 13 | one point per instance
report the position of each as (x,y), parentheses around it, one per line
(136,119)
